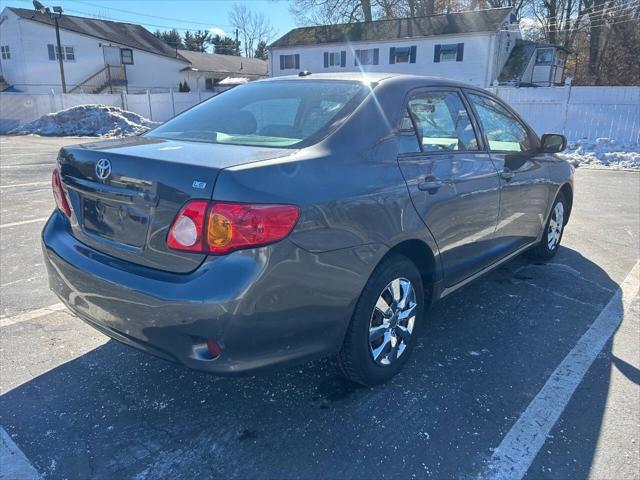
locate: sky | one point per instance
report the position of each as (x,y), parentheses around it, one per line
(166,14)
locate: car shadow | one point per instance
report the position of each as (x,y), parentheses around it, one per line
(483,355)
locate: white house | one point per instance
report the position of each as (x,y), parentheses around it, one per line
(471,47)
(98,56)
(211,71)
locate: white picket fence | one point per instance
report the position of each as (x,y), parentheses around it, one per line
(577,112)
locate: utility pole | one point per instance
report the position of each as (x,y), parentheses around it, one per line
(60,53)
(237,41)
(55,15)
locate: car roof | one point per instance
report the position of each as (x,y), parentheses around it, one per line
(409,81)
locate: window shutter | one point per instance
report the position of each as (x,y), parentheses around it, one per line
(436,53)
(460,52)
(343,58)
(392,55)
(356,58)
(281,62)
(412,57)
(297,58)
(326,59)
(376,56)
(52,52)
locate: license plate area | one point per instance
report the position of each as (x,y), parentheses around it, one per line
(120,222)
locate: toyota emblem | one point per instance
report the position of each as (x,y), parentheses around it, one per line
(103,169)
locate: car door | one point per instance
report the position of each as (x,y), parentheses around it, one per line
(453,183)
(515,153)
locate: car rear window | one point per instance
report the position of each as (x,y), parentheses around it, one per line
(271,114)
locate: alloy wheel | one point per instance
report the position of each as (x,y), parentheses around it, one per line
(392,321)
(555,226)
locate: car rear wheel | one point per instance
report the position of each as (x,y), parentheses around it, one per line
(381,334)
(550,242)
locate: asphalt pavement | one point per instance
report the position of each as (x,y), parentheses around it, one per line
(492,372)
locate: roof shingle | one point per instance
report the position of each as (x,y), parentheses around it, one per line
(128,34)
(442,24)
(231,64)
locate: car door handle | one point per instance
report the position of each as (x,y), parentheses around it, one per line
(430,184)
(506,175)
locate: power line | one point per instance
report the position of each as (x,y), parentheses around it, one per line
(589,25)
(114,19)
(151,16)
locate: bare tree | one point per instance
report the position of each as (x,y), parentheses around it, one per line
(253,27)
(321,12)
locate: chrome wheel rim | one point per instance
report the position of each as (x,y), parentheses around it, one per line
(555,226)
(392,321)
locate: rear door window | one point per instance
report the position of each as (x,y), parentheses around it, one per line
(442,122)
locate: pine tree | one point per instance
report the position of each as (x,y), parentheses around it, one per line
(261,50)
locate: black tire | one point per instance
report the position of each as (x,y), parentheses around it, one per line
(544,251)
(355,358)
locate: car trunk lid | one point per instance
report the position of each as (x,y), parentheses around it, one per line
(124,194)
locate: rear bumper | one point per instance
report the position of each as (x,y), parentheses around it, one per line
(264,307)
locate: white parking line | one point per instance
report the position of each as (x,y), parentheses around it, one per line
(519,448)
(30,315)
(31,184)
(15,465)
(23,222)
(28,165)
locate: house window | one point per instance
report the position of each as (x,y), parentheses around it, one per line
(126,55)
(5,52)
(67,53)
(367,57)
(335,59)
(290,62)
(402,54)
(450,52)
(544,56)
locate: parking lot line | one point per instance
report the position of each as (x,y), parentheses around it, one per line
(15,465)
(23,222)
(27,165)
(30,315)
(31,184)
(518,449)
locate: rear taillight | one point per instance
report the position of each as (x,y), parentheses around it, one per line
(58,193)
(221,227)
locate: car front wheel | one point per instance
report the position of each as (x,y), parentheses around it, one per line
(550,242)
(381,334)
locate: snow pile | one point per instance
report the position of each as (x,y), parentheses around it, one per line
(88,121)
(603,152)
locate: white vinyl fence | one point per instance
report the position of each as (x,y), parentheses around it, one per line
(16,109)
(578,112)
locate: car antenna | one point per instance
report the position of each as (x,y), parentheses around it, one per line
(304,73)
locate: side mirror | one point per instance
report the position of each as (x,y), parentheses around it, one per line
(553,142)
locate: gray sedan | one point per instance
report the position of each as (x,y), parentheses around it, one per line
(300,217)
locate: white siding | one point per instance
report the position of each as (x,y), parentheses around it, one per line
(474,67)
(31,70)
(10,35)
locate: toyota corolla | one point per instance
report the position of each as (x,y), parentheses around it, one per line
(300,217)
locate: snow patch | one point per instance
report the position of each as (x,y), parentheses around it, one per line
(87,121)
(603,152)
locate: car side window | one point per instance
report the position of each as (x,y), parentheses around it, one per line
(442,122)
(503,131)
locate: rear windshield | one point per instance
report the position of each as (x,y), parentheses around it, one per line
(270,114)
